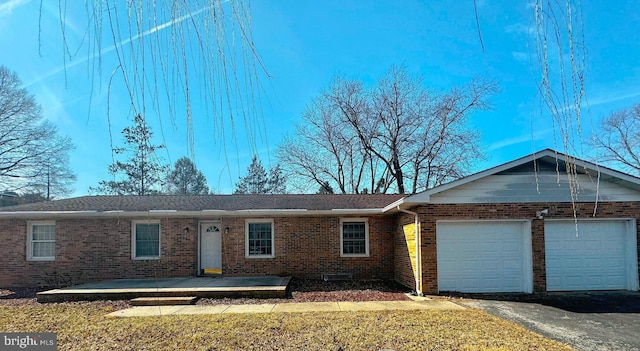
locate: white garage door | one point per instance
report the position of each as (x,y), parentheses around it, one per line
(484,256)
(602,256)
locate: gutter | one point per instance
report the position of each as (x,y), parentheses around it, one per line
(418,250)
(394,204)
(192,214)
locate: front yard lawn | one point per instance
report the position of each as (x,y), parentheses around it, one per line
(84,326)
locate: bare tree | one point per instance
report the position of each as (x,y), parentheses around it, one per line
(33,156)
(396,136)
(325,147)
(619,138)
(445,149)
(56,178)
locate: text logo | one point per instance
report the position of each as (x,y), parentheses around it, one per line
(28,341)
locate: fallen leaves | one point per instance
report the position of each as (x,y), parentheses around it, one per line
(84,326)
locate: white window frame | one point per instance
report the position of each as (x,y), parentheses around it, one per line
(133,240)
(366,236)
(30,241)
(247,254)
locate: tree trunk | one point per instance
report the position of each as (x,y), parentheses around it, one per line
(397,173)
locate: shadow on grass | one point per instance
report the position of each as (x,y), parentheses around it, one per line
(19,293)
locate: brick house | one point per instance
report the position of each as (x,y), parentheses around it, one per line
(519,227)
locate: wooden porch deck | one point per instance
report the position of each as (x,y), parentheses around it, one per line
(125,289)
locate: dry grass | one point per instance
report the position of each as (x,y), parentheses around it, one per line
(84,326)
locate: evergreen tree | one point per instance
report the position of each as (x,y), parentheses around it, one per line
(186,179)
(277,182)
(142,172)
(325,188)
(256,181)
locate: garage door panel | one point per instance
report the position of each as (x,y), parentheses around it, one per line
(594,258)
(484,256)
(511,269)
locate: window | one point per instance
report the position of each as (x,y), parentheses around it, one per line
(354,237)
(145,240)
(41,241)
(259,238)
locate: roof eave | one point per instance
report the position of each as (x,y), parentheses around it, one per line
(190,214)
(394,205)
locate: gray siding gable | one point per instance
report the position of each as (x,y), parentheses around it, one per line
(543,187)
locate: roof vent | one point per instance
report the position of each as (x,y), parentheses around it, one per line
(337,277)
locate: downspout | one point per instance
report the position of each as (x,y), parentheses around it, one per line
(418,250)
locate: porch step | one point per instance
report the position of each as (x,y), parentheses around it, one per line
(163,301)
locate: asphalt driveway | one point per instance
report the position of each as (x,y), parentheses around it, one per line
(586,321)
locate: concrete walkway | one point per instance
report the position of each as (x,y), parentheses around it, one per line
(147,311)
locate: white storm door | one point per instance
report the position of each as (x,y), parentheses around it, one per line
(210,248)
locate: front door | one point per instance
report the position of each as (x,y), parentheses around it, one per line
(210,248)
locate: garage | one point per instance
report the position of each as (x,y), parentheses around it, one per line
(599,255)
(484,256)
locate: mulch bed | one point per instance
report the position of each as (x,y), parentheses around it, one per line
(300,290)
(309,290)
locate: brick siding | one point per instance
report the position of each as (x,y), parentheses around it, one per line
(89,250)
(308,247)
(431,213)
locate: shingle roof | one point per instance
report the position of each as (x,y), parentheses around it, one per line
(311,202)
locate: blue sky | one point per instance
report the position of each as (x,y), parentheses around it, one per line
(303,45)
